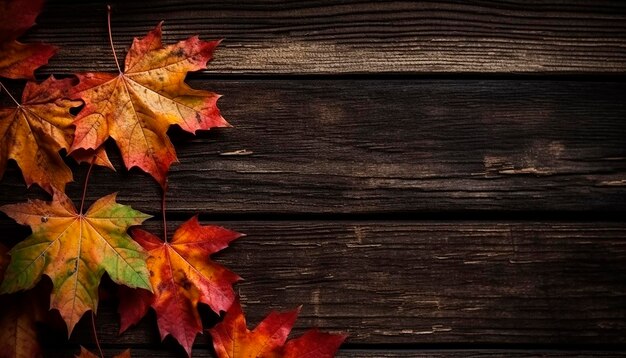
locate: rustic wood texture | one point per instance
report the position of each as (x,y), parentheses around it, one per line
(355,36)
(448,215)
(429,282)
(374,146)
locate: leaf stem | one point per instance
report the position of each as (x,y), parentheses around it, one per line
(9,93)
(95,334)
(82,200)
(164,192)
(111,38)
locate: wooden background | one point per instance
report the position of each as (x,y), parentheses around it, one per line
(437,179)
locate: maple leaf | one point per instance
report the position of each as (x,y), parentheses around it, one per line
(18,331)
(98,156)
(18,315)
(182,275)
(137,106)
(33,133)
(18,60)
(84,353)
(232,339)
(75,250)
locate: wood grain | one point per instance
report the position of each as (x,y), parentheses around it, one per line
(418,283)
(329,37)
(391,146)
(329,175)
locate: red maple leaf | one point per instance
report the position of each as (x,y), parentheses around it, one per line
(182,275)
(232,339)
(137,105)
(19,60)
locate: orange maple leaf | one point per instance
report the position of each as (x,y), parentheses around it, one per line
(18,331)
(18,315)
(75,250)
(232,339)
(98,157)
(18,60)
(182,275)
(34,132)
(84,353)
(137,106)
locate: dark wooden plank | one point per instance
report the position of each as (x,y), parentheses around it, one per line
(344,353)
(355,36)
(373,146)
(423,282)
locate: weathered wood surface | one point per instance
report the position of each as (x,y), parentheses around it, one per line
(352,150)
(373,146)
(523,283)
(204,353)
(355,36)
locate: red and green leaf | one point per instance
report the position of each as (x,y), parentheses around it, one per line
(75,250)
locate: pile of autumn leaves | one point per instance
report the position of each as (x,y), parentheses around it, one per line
(74,248)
